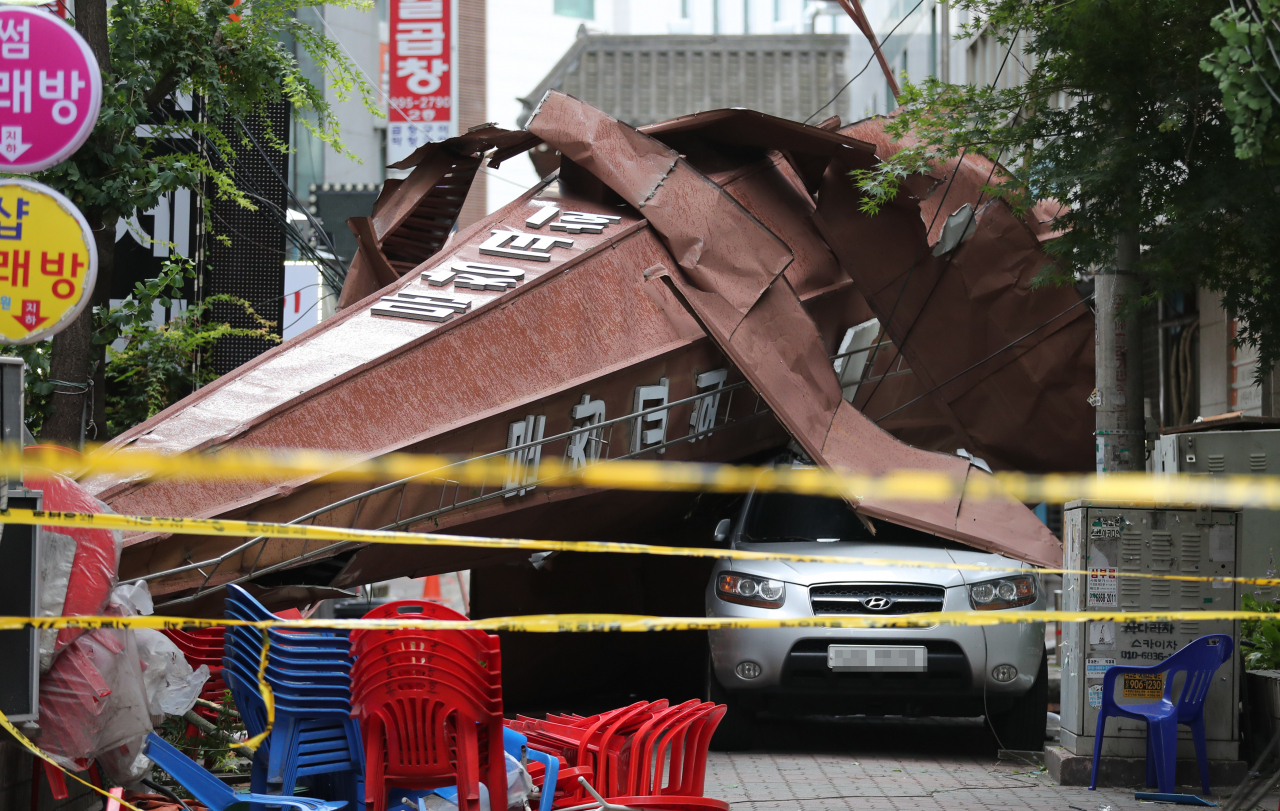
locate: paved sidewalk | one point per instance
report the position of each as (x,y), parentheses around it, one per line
(895,764)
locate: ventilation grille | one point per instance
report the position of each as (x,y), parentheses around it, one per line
(1258,462)
(1192,547)
(251,267)
(1217,463)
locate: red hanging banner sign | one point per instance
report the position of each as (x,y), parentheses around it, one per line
(422,55)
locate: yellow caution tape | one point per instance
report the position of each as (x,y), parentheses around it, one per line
(634,623)
(268,698)
(47,758)
(904,485)
(254,529)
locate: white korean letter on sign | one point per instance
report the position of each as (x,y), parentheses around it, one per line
(50,90)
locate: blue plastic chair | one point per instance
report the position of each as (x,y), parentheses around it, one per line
(517,745)
(314,736)
(211,791)
(1200,659)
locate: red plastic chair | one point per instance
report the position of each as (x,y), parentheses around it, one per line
(403,608)
(203,646)
(649,745)
(429,705)
(486,662)
(645,750)
(429,737)
(686,738)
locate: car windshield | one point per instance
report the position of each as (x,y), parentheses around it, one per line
(780,517)
(791,517)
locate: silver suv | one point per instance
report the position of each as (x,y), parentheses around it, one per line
(998,671)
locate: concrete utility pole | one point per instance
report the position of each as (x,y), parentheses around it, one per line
(1120,425)
(944,44)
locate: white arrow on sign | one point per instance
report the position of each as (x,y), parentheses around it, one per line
(11,146)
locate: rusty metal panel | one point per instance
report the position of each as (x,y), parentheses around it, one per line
(990,350)
(695,218)
(453,388)
(775,344)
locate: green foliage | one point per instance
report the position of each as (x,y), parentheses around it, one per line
(235,65)
(110,323)
(211,750)
(161,365)
(1247,68)
(1261,638)
(1114,117)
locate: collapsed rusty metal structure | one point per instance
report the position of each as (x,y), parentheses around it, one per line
(679,292)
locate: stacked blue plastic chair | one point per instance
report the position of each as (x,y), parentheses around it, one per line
(314,737)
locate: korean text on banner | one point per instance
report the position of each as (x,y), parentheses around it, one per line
(421,75)
(48,261)
(50,89)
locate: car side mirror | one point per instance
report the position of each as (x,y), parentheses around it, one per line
(722,530)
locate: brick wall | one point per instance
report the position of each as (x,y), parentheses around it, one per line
(472,104)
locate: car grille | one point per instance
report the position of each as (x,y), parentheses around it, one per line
(864,598)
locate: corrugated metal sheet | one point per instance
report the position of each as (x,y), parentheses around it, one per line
(645,79)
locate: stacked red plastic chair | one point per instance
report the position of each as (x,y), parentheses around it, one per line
(647,755)
(429,705)
(203,646)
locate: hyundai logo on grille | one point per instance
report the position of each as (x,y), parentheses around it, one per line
(877,603)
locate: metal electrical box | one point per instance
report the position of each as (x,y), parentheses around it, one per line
(1108,540)
(1232,453)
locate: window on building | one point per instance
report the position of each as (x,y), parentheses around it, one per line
(777,11)
(684,9)
(586,9)
(746,16)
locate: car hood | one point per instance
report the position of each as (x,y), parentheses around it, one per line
(807,574)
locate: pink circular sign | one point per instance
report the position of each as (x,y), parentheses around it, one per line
(50,90)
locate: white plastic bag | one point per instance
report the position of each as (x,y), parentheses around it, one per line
(57,556)
(171,685)
(519,785)
(95,702)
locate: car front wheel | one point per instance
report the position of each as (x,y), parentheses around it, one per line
(736,731)
(1022,727)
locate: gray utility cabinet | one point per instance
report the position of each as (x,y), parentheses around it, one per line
(1108,540)
(1232,453)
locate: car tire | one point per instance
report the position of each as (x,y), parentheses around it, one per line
(736,732)
(1022,727)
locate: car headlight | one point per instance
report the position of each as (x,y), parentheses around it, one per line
(747,590)
(1007,592)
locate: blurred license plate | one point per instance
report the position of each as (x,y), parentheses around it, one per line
(875,658)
